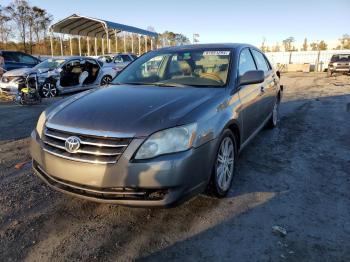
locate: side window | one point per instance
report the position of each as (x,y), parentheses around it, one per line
(26,59)
(246,62)
(118,59)
(10,57)
(126,58)
(260,61)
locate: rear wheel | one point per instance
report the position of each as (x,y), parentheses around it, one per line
(224,166)
(273,120)
(49,90)
(106,80)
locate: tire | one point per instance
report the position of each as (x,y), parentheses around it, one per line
(224,165)
(48,90)
(273,120)
(105,80)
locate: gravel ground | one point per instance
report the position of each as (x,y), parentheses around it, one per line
(296,176)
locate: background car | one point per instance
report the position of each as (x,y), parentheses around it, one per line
(14,59)
(340,63)
(120,61)
(60,75)
(170,126)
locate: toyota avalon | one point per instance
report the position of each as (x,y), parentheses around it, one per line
(168,127)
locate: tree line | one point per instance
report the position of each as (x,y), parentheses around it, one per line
(289,46)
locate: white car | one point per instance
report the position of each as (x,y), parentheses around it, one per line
(60,75)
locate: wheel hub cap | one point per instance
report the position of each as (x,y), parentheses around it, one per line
(225,163)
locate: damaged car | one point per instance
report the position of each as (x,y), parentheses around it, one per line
(60,75)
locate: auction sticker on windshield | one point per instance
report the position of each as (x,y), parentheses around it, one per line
(216,52)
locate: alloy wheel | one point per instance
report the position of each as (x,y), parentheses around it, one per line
(275,114)
(49,90)
(106,80)
(225,164)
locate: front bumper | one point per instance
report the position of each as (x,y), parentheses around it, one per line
(160,182)
(339,69)
(9,88)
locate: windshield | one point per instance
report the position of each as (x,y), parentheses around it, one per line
(179,68)
(341,57)
(50,64)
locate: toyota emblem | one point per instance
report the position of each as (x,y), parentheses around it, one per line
(72,144)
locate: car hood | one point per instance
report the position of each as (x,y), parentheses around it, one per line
(18,72)
(137,111)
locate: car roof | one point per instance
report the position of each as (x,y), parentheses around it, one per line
(204,46)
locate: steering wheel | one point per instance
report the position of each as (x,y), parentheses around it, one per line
(213,76)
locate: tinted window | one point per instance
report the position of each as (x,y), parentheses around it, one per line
(118,59)
(126,58)
(246,62)
(10,57)
(260,61)
(134,57)
(341,57)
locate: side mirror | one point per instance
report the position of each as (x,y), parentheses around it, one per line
(252,77)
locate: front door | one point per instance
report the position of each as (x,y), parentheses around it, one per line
(250,96)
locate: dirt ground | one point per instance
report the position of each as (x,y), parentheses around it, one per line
(296,176)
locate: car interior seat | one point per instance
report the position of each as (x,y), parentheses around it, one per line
(83,76)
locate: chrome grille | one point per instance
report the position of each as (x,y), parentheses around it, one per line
(99,150)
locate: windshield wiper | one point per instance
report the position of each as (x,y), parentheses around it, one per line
(170,84)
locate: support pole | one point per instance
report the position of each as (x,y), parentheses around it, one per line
(95,46)
(51,42)
(79,45)
(132,43)
(145,44)
(88,45)
(108,43)
(116,41)
(124,42)
(70,45)
(103,45)
(139,44)
(61,44)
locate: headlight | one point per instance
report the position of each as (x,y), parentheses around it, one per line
(40,124)
(167,141)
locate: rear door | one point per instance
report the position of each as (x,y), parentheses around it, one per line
(249,95)
(268,91)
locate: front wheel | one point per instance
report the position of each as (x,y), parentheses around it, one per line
(49,90)
(106,80)
(224,165)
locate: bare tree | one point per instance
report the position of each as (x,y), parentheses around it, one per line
(316,46)
(5,28)
(305,45)
(19,12)
(344,42)
(288,44)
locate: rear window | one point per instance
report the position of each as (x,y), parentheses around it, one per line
(340,57)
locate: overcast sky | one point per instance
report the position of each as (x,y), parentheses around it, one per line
(221,20)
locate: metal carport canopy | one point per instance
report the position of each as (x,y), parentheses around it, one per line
(88,26)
